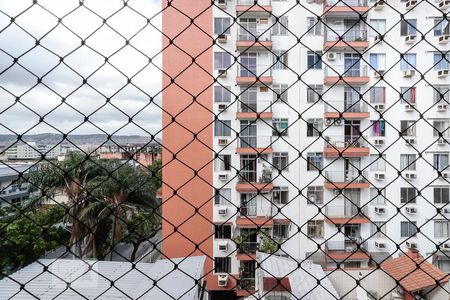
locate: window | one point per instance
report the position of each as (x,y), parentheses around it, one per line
(407,195)
(222,94)
(407,162)
(408,62)
(280,27)
(314,92)
(223,162)
(351,264)
(377,163)
(222,231)
(280,231)
(444,265)
(314,161)
(222,128)
(408,128)
(441,61)
(379,128)
(408,95)
(378,229)
(315,229)
(222,265)
(314,127)
(222,196)
(315,195)
(378,26)
(378,95)
(314,26)
(280,160)
(314,60)
(280,92)
(408,27)
(280,127)
(441,229)
(440,161)
(377,196)
(441,93)
(408,229)
(441,27)
(441,195)
(441,127)
(222,60)
(280,60)
(280,195)
(222,26)
(378,61)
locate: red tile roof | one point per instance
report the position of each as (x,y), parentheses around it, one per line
(413,272)
(271,284)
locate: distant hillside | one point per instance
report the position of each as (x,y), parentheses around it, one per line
(88,139)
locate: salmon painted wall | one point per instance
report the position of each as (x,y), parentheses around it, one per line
(193,191)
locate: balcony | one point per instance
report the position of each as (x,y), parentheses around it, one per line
(254,144)
(346,180)
(255,109)
(351,75)
(346,214)
(346,250)
(246,287)
(346,39)
(254,37)
(346,7)
(254,74)
(263,6)
(348,146)
(346,109)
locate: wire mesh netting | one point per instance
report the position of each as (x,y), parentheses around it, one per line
(226,149)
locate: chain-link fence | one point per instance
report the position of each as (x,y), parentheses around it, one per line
(226,149)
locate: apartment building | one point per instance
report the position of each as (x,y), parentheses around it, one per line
(12,191)
(329,129)
(33,151)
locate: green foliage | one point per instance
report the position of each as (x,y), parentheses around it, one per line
(26,237)
(269,245)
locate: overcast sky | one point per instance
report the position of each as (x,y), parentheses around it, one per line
(15,81)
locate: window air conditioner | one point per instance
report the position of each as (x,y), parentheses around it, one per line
(380,245)
(378,142)
(223,142)
(379,107)
(442,107)
(222,3)
(410,39)
(328,122)
(222,280)
(378,73)
(338,122)
(222,211)
(444,4)
(443,73)
(222,107)
(446,210)
(410,4)
(409,73)
(445,246)
(409,107)
(378,5)
(410,175)
(223,245)
(380,176)
(331,56)
(380,210)
(223,177)
(444,38)
(410,141)
(441,141)
(445,175)
(411,245)
(411,210)
(222,38)
(378,38)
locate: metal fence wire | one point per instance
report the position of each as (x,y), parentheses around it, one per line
(226,149)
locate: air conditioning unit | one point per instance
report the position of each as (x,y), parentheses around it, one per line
(379,107)
(222,38)
(409,107)
(410,4)
(263,20)
(329,122)
(222,142)
(410,141)
(441,142)
(446,210)
(380,176)
(442,107)
(380,245)
(378,5)
(222,72)
(222,107)
(222,280)
(380,210)
(444,4)
(445,246)
(411,245)
(410,175)
(409,73)
(223,177)
(445,175)
(443,39)
(443,73)
(222,3)
(410,39)
(378,73)
(222,211)
(411,210)
(331,56)
(378,38)
(378,142)
(338,122)
(223,246)
(337,193)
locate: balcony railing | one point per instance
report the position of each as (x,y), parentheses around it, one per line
(247,34)
(255,142)
(352,70)
(343,106)
(346,176)
(345,141)
(344,211)
(252,177)
(347,35)
(257,211)
(248,247)
(247,284)
(252,2)
(254,70)
(346,3)
(254,106)
(348,245)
